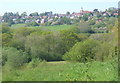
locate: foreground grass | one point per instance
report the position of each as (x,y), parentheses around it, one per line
(0,74)
(62,71)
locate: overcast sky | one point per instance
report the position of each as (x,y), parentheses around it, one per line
(57,6)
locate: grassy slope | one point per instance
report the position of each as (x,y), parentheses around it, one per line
(62,71)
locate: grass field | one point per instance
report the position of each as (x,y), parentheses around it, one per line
(56,27)
(62,71)
(17,26)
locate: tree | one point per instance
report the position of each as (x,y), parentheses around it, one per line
(6,39)
(15,58)
(7,16)
(84,28)
(16,14)
(42,14)
(69,38)
(95,10)
(5,28)
(34,14)
(65,20)
(19,37)
(67,13)
(44,45)
(104,52)
(82,51)
(24,14)
(10,22)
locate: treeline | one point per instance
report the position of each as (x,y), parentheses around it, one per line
(23,45)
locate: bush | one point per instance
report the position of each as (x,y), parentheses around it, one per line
(15,58)
(82,51)
(5,28)
(32,24)
(105,51)
(34,63)
(84,28)
(65,20)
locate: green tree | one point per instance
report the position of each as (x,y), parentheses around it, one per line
(24,14)
(84,28)
(104,52)
(10,22)
(69,38)
(68,13)
(15,58)
(65,20)
(5,28)
(82,51)
(19,37)
(6,39)
(34,14)
(44,45)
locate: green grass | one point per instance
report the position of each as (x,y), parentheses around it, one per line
(62,71)
(56,27)
(17,26)
(0,74)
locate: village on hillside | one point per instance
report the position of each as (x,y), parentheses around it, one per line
(48,18)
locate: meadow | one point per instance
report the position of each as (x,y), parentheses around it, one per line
(55,27)
(63,71)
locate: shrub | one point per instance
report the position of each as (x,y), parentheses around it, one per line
(15,58)
(82,51)
(105,52)
(32,24)
(5,28)
(84,28)
(34,63)
(65,20)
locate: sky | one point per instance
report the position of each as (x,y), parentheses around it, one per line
(56,6)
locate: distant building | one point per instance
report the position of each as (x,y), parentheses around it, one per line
(84,12)
(38,21)
(77,14)
(42,21)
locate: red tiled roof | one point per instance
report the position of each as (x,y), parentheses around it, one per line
(86,11)
(115,14)
(77,14)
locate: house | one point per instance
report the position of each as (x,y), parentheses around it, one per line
(77,14)
(85,12)
(37,21)
(27,21)
(43,21)
(116,14)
